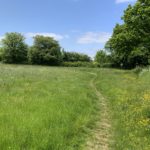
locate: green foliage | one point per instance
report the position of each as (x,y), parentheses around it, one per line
(75,57)
(80,64)
(1,53)
(102,58)
(130,44)
(45,51)
(14,49)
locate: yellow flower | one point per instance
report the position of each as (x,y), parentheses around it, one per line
(144,122)
(146,96)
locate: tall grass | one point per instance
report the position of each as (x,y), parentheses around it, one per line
(52,108)
(44,107)
(129,98)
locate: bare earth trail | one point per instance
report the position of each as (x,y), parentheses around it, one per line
(101,138)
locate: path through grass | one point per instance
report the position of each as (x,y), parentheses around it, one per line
(101,137)
(52,108)
(128,95)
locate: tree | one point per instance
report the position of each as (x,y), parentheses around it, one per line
(137,19)
(121,44)
(102,58)
(45,51)
(129,44)
(14,49)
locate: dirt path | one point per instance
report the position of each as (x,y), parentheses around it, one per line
(101,136)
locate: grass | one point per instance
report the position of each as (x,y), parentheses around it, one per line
(129,99)
(45,107)
(50,108)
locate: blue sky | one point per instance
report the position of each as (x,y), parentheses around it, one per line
(79,25)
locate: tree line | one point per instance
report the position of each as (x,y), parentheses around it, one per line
(44,51)
(128,47)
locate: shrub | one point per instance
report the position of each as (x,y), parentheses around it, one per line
(74,57)
(79,64)
(107,65)
(137,70)
(1,52)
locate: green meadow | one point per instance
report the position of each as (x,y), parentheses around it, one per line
(56,108)
(128,94)
(44,107)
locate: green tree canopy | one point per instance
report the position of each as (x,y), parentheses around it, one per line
(14,49)
(130,44)
(45,50)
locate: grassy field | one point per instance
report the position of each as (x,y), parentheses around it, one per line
(129,99)
(44,107)
(50,108)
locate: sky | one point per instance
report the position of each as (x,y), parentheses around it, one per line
(79,25)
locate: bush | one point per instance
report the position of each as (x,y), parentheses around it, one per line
(75,57)
(79,64)
(107,65)
(1,52)
(137,70)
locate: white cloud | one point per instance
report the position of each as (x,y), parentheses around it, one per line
(94,37)
(54,35)
(124,1)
